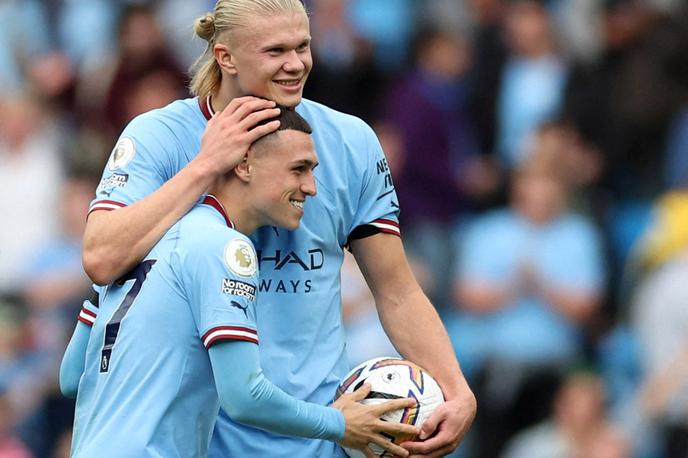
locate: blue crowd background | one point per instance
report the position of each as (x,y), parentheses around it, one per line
(540,154)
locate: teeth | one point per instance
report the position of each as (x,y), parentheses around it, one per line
(288,83)
(297,204)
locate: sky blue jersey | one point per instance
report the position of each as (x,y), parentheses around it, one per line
(299,297)
(148,389)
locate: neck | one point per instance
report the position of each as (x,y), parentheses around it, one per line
(233,197)
(229,90)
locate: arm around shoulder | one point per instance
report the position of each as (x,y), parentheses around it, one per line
(115,241)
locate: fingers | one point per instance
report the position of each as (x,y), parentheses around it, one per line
(424,447)
(361,393)
(443,441)
(240,107)
(444,451)
(250,106)
(396,404)
(390,446)
(246,112)
(252,119)
(398,429)
(260,131)
(429,426)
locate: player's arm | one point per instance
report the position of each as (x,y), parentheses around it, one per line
(74,359)
(249,398)
(415,329)
(114,241)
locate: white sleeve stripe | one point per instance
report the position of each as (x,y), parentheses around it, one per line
(386,226)
(229,334)
(84,315)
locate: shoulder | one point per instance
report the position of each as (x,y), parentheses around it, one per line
(202,237)
(323,117)
(162,122)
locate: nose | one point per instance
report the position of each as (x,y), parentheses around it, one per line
(293,62)
(308,186)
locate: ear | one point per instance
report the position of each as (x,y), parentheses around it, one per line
(243,170)
(224,58)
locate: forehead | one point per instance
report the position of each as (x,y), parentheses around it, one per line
(275,29)
(288,146)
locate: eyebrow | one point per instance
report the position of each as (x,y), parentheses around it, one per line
(282,44)
(306,162)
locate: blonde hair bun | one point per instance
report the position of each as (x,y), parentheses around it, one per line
(205,26)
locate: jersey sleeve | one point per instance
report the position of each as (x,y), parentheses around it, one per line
(250,398)
(89,308)
(378,205)
(138,165)
(221,281)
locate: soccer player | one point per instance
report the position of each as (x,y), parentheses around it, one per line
(180,328)
(166,158)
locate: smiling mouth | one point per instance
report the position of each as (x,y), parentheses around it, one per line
(297,203)
(288,83)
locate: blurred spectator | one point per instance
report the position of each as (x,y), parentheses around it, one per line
(30,180)
(21,41)
(676,157)
(429,110)
(623,102)
(54,282)
(454,15)
(176,17)
(578,427)
(533,79)
(560,142)
(63,445)
(529,279)
(389,25)
(345,76)
(488,57)
(73,20)
(530,276)
(53,79)
(10,445)
(659,319)
(23,374)
(146,74)
(578,27)
(676,66)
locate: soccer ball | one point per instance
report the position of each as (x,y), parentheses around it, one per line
(394,378)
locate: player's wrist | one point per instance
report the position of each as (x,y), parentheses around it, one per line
(459,390)
(337,423)
(202,171)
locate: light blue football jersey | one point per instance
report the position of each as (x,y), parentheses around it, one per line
(147,389)
(299,298)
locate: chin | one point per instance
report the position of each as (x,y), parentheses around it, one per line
(290,100)
(293,224)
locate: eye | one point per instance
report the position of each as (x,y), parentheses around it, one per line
(302,47)
(275,51)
